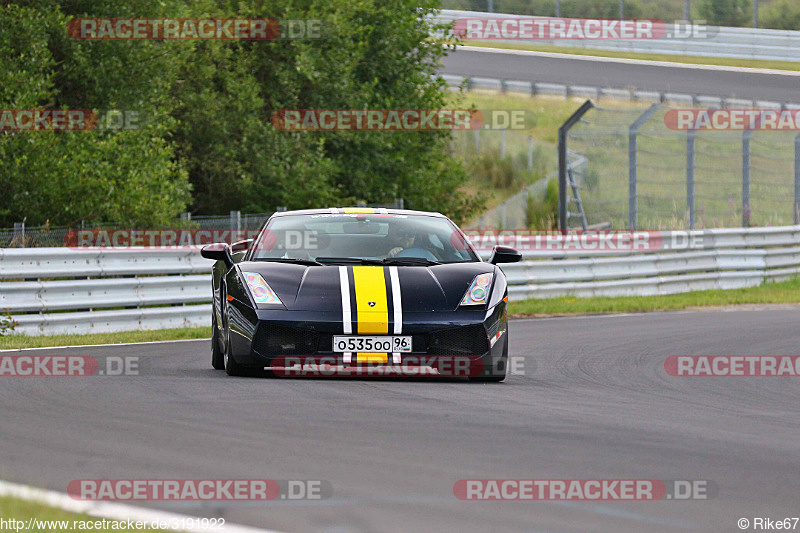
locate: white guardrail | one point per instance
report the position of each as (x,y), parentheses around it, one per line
(117,290)
(458,82)
(741,43)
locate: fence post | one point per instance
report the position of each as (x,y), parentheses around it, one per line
(563,162)
(530,152)
(236,223)
(746,178)
(690,159)
(797,179)
(502,143)
(477,140)
(633,133)
(19,231)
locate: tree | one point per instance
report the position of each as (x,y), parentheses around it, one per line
(725,12)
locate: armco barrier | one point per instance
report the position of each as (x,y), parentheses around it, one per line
(458,82)
(108,290)
(117,290)
(741,43)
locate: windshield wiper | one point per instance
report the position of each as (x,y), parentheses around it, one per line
(290,260)
(358,260)
(410,261)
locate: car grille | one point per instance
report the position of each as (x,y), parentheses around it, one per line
(271,339)
(467,340)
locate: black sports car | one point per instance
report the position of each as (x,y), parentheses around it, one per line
(359,286)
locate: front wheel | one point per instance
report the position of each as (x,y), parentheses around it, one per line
(232,368)
(217,359)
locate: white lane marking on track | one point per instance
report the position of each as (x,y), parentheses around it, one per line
(109,510)
(642,62)
(101,345)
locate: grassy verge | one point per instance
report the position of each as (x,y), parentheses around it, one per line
(22,510)
(721,61)
(10,342)
(785,292)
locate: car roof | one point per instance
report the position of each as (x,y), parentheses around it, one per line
(357,210)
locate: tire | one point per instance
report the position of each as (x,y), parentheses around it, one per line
(217,359)
(232,368)
(495,373)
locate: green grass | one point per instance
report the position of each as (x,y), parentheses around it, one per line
(721,61)
(22,510)
(785,292)
(10,342)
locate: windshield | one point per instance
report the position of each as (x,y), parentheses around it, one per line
(331,238)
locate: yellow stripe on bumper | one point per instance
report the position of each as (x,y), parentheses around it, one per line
(366,210)
(370,286)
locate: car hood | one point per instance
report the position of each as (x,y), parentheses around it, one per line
(422,289)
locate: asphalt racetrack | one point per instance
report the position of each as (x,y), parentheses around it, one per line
(574,70)
(594,403)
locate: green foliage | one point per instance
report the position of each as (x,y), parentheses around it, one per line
(208,144)
(725,12)
(7,324)
(131,177)
(781,15)
(542,213)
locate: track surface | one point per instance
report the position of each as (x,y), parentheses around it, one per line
(570,71)
(595,402)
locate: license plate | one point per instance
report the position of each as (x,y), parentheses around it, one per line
(372,344)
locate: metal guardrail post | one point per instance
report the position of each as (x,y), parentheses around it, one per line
(236,221)
(563,131)
(746,178)
(633,133)
(797,179)
(19,233)
(690,159)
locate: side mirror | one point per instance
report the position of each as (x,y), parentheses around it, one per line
(241,246)
(219,251)
(504,254)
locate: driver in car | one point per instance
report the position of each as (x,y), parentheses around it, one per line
(399,239)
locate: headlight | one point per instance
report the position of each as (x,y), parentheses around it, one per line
(260,290)
(478,291)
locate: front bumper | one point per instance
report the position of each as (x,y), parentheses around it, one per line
(265,338)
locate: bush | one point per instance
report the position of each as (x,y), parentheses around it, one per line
(781,15)
(542,213)
(725,12)
(7,324)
